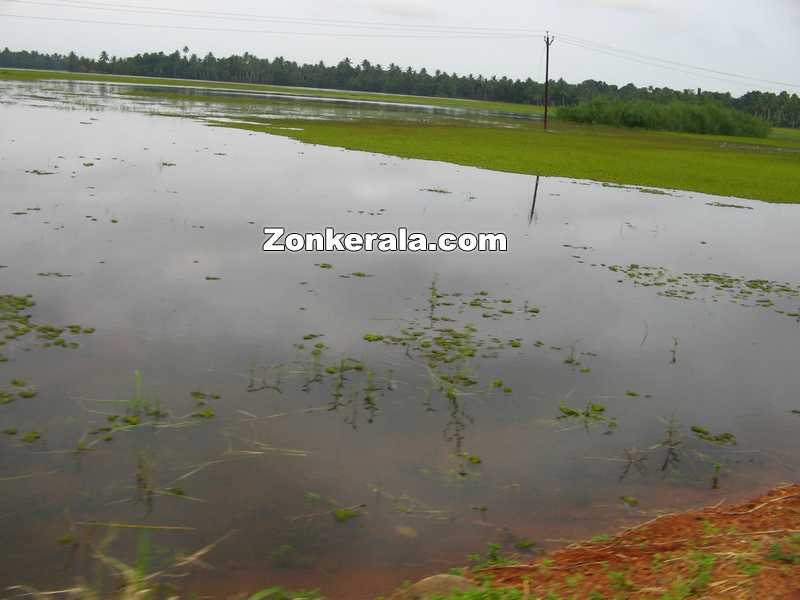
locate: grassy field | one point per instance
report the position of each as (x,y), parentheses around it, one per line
(29,75)
(780,133)
(756,168)
(763,169)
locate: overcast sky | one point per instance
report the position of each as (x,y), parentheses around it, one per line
(756,39)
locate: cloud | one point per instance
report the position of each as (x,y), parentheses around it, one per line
(404,8)
(631,6)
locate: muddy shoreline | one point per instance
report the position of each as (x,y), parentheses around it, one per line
(738,551)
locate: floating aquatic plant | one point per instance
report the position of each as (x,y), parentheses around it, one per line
(723,439)
(593,414)
(760,293)
(31,437)
(345,514)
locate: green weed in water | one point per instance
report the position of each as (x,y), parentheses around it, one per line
(723,439)
(343,515)
(31,437)
(593,414)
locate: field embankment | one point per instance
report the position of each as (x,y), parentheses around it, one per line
(751,550)
(735,552)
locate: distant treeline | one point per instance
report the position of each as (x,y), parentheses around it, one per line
(781,110)
(705,116)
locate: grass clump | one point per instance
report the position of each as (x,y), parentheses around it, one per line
(343,515)
(723,439)
(207,413)
(706,117)
(593,414)
(779,553)
(31,437)
(525,544)
(493,558)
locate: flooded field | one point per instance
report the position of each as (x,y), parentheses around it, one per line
(346,421)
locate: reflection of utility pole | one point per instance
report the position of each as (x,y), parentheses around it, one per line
(548,39)
(533,204)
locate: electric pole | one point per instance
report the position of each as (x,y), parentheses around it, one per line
(548,39)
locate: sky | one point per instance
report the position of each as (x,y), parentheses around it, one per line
(758,40)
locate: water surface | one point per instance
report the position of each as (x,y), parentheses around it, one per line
(245,426)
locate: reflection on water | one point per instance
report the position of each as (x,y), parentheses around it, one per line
(378,420)
(533,202)
(215,103)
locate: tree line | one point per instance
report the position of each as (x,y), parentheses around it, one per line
(780,110)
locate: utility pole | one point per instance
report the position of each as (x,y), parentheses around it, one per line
(548,39)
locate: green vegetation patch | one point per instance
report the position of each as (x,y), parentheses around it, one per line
(592,415)
(679,115)
(763,169)
(778,296)
(16,324)
(728,165)
(345,514)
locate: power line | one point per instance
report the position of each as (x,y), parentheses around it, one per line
(598,46)
(378,30)
(650,63)
(273,32)
(129,8)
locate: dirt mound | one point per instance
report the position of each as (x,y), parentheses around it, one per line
(747,551)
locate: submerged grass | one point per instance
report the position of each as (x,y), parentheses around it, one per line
(763,169)
(33,75)
(758,168)
(780,297)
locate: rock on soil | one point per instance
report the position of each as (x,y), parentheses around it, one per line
(438,585)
